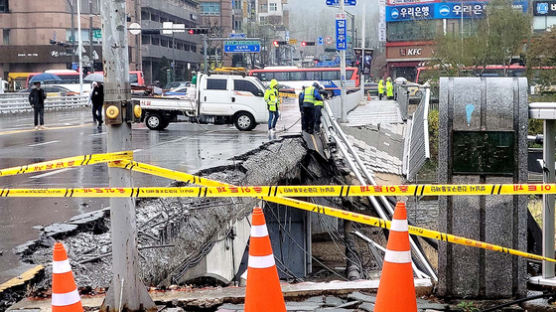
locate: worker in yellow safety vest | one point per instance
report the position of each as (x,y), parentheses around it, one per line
(319,105)
(389,88)
(380,89)
(308,97)
(272,100)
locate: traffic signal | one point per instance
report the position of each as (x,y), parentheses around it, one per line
(277,43)
(197,31)
(307,43)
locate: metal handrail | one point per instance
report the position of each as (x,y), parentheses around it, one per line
(336,132)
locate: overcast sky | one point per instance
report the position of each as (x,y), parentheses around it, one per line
(313,18)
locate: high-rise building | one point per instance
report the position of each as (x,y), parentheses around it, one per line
(37,35)
(162,53)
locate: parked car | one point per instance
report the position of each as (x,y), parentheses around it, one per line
(53,91)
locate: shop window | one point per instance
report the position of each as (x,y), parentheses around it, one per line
(410,31)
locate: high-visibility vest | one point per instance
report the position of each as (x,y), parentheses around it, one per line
(271,98)
(319,103)
(381,86)
(309,95)
(389,89)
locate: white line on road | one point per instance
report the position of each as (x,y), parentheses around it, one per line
(97,134)
(50,173)
(45,143)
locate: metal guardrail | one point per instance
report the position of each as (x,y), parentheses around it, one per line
(416,146)
(381,204)
(20,104)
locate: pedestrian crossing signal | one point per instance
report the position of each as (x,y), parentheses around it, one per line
(307,43)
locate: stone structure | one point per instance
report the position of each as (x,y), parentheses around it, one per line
(483,139)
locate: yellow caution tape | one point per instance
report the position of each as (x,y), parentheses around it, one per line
(264,191)
(76,161)
(334,212)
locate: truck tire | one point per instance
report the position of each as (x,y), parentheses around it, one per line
(155,121)
(244,121)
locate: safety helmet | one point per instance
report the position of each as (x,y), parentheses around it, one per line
(389,79)
(273,83)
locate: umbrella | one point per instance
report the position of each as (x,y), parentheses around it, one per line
(95,77)
(45,77)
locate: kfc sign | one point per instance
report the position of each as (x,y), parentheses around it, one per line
(411,51)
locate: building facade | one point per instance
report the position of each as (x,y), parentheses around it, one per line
(413,25)
(37,35)
(218,16)
(162,53)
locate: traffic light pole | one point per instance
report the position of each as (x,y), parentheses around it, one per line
(362,65)
(127,291)
(342,75)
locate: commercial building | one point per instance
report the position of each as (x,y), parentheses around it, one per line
(413,25)
(218,15)
(39,35)
(162,53)
(544,15)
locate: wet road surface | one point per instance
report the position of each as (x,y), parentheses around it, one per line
(182,146)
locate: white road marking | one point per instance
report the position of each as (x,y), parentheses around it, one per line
(50,173)
(45,143)
(97,134)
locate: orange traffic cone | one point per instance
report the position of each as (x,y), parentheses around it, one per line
(65,297)
(263,291)
(396,290)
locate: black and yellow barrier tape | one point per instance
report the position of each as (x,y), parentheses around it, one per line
(333,212)
(276,191)
(69,162)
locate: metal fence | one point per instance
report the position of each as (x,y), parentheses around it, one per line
(416,147)
(402,97)
(11,104)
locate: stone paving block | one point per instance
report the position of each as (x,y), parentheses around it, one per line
(333,310)
(367,306)
(317,299)
(351,304)
(331,301)
(361,297)
(302,306)
(232,307)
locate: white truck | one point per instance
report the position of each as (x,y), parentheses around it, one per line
(3,86)
(219,99)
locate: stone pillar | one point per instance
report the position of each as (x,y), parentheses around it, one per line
(483,139)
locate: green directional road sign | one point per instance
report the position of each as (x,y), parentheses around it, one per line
(97,34)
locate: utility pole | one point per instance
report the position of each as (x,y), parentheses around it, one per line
(363,51)
(205,55)
(91,35)
(342,74)
(127,291)
(80,47)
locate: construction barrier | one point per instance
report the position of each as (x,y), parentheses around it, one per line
(272,194)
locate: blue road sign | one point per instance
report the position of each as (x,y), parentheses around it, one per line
(337,2)
(242,46)
(238,36)
(320,41)
(341,34)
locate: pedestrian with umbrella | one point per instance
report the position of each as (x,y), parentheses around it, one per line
(36,99)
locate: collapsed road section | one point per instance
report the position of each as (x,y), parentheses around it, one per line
(175,235)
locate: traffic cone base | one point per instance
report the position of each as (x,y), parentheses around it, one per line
(396,289)
(263,291)
(65,297)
